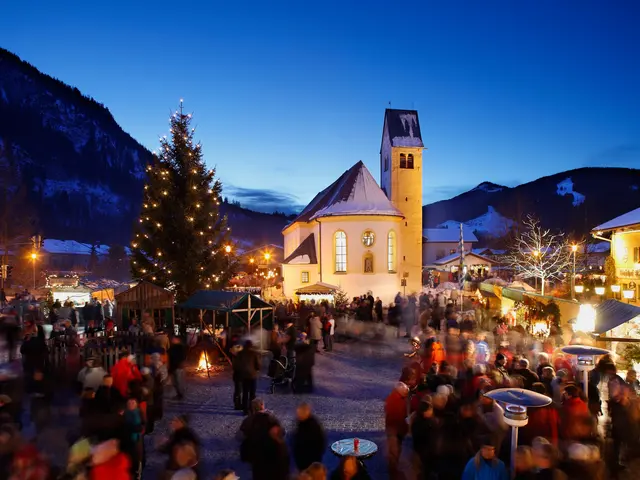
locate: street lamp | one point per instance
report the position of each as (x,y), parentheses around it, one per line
(599,292)
(616,290)
(227,249)
(579,288)
(574,249)
(586,359)
(628,295)
(516,401)
(34,256)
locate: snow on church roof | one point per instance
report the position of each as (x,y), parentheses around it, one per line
(624,220)
(354,193)
(403,128)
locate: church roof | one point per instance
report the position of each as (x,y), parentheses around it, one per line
(305,254)
(403,128)
(354,193)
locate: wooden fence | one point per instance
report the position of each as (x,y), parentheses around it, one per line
(67,355)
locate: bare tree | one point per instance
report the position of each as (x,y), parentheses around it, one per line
(539,253)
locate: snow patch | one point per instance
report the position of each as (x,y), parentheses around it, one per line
(634,188)
(487,187)
(72,247)
(565,187)
(98,197)
(408,120)
(491,223)
(407,142)
(3,95)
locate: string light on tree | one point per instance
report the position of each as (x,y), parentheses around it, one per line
(178,207)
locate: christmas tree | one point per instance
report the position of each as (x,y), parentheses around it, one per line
(180,240)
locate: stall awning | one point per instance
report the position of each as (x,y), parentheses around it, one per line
(220,300)
(513,294)
(319,288)
(612,313)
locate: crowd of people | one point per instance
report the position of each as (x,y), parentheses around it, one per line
(458,432)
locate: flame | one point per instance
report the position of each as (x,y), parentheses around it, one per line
(204,363)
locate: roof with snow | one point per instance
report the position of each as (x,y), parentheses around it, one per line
(354,193)
(403,128)
(447,235)
(624,220)
(456,256)
(305,254)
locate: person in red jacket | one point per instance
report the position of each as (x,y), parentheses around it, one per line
(573,409)
(543,421)
(396,426)
(123,372)
(109,463)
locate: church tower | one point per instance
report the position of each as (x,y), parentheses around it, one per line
(401,180)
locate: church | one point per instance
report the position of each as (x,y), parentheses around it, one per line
(361,236)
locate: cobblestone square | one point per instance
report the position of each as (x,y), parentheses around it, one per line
(351,384)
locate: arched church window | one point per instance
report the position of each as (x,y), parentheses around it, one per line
(391,251)
(410,160)
(340,251)
(368,263)
(403,160)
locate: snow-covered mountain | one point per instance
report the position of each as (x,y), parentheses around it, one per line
(489,224)
(81,175)
(66,162)
(574,201)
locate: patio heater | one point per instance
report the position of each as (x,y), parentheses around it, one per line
(586,360)
(516,401)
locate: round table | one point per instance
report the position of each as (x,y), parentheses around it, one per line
(344,448)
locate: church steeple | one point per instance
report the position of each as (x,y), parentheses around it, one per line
(401,180)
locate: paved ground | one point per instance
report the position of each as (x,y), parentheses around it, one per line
(350,386)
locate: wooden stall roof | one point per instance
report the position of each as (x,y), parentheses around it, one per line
(145,296)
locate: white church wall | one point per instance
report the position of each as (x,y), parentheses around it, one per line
(293,278)
(355,281)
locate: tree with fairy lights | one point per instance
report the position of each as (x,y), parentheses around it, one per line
(180,240)
(539,253)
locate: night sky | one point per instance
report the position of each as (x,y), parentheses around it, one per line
(288,95)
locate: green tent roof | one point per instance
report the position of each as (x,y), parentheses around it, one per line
(223,301)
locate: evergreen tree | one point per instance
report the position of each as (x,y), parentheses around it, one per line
(180,240)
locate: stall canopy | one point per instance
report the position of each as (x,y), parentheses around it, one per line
(241,308)
(144,296)
(319,288)
(612,313)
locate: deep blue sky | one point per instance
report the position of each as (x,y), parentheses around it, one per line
(288,95)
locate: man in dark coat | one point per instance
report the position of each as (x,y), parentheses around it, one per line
(248,368)
(309,440)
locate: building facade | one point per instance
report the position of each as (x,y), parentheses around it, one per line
(358,236)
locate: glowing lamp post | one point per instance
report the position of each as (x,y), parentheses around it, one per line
(586,360)
(616,290)
(574,250)
(579,288)
(628,295)
(516,401)
(600,292)
(33,260)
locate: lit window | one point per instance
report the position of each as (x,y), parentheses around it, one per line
(341,251)
(410,161)
(391,252)
(452,251)
(403,160)
(368,238)
(304,277)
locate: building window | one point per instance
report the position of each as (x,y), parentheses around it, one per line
(368,238)
(367,262)
(341,251)
(304,277)
(403,160)
(452,251)
(410,160)
(386,163)
(391,252)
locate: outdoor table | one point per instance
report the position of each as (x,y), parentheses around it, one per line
(344,448)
